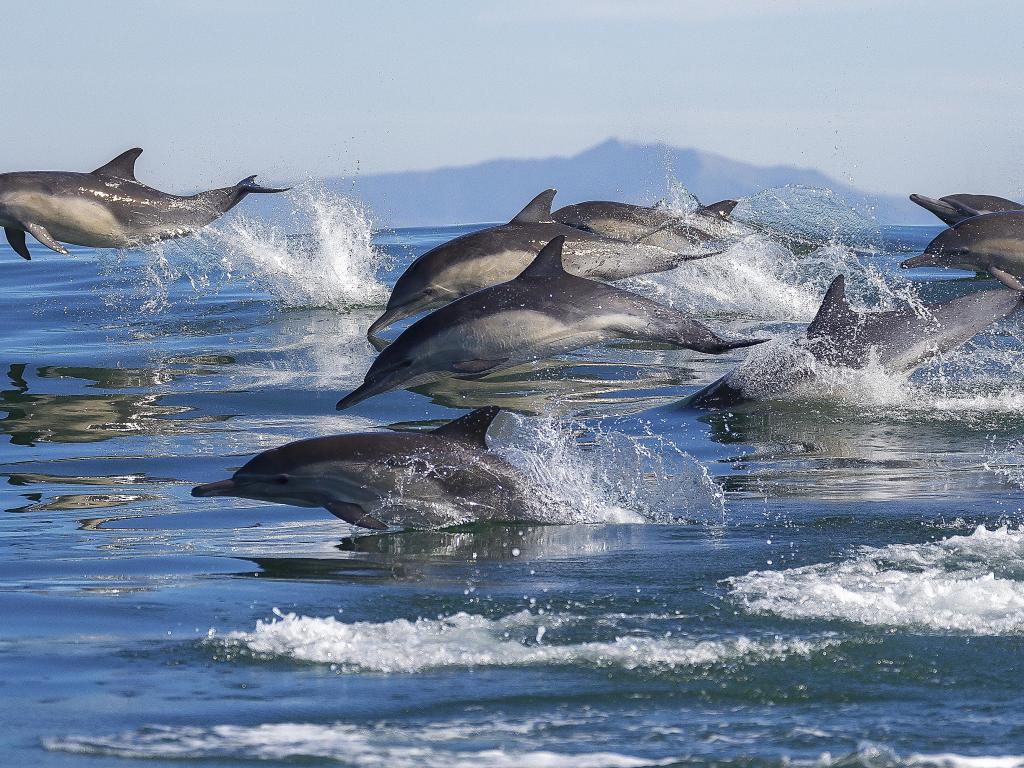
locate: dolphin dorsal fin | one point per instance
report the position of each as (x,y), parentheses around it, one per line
(547,263)
(834,308)
(538,210)
(122,166)
(722,208)
(471,428)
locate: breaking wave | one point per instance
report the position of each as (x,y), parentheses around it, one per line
(972,584)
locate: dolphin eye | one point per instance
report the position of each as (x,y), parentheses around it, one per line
(406,363)
(281,480)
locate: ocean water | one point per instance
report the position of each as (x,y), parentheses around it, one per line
(831,577)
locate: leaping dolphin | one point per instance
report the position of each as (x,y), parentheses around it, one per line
(543,312)
(900,340)
(655,225)
(953,209)
(379,479)
(497,254)
(108,208)
(993,243)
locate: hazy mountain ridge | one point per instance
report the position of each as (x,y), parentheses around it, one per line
(615,170)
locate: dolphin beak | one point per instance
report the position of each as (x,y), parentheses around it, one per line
(364,391)
(923,260)
(220,488)
(393,314)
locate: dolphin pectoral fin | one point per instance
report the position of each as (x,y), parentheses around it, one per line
(354,515)
(16,237)
(477,366)
(44,237)
(1006,278)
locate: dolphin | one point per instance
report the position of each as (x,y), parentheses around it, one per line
(107,208)
(900,339)
(379,479)
(543,312)
(953,209)
(993,243)
(655,225)
(497,254)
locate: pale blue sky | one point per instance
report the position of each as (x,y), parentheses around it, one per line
(923,96)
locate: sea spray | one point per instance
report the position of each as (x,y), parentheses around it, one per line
(319,254)
(583,473)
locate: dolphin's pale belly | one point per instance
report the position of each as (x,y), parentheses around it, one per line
(89,219)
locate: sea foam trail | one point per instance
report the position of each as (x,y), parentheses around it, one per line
(382,745)
(464,640)
(319,255)
(972,584)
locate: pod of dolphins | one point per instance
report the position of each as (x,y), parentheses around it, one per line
(509,295)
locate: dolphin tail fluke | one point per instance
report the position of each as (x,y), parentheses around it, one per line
(248,186)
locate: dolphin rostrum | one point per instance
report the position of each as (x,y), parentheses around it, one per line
(900,339)
(993,243)
(379,479)
(108,208)
(494,255)
(543,312)
(655,225)
(953,209)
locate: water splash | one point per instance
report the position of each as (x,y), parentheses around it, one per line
(319,254)
(580,473)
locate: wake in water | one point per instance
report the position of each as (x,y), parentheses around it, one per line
(320,255)
(520,639)
(972,584)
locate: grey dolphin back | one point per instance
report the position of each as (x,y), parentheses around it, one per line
(122,166)
(471,428)
(538,210)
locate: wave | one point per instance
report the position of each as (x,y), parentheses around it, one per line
(972,584)
(464,640)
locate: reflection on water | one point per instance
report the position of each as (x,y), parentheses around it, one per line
(834,451)
(491,542)
(77,418)
(561,387)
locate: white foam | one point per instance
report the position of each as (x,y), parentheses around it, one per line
(467,640)
(589,474)
(871,755)
(382,745)
(972,584)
